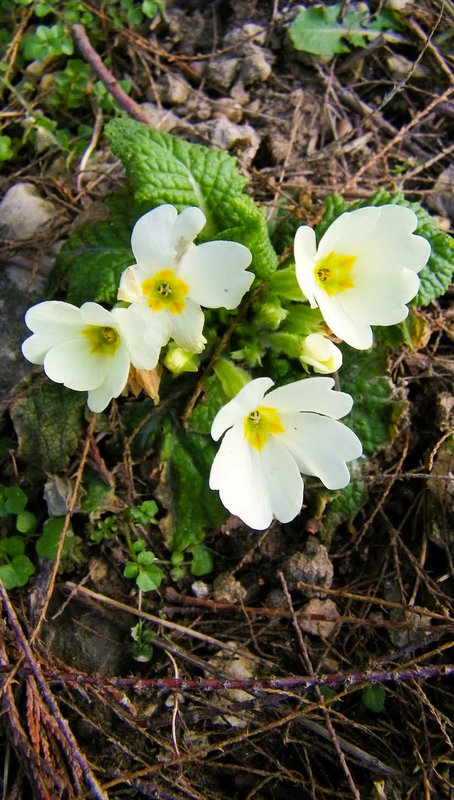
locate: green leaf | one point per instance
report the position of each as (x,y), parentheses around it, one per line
(49,421)
(376,415)
(6,151)
(17,573)
(12,546)
(231,377)
(25,522)
(47,544)
(165,169)
(202,560)
(146,558)
(191,505)
(149,579)
(131,570)
(344,507)
(16,499)
(318,30)
(91,262)
(436,276)
(373,697)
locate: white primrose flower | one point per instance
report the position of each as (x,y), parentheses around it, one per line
(321,353)
(271,439)
(364,270)
(173,277)
(88,349)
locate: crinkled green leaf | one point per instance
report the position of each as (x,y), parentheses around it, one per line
(376,413)
(165,169)
(49,421)
(436,276)
(191,505)
(211,400)
(90,263)
(319,30)
(343,507)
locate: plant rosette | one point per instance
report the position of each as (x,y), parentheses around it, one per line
(271,438)
(364,270)
(88,349)
(173,277)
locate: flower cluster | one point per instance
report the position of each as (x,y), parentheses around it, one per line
(363,272)
(91,349)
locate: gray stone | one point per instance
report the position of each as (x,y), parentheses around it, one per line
(311,566)
(441,198)
(319,627)
(256,65)
(221,72)
(16,296)
(23,212)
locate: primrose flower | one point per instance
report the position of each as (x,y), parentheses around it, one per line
(363,271)
(321,353)
(173,277)
(88,349)
(271,439)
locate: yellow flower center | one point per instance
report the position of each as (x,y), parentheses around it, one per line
(165,290)
(332,273)
(260,423)
(103,340)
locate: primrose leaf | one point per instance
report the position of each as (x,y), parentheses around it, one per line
(373,697)
(319,30)
(376,414)
(48,420)
(165,169)
(191,505)
(344,507)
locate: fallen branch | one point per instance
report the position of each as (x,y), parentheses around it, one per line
(111,84)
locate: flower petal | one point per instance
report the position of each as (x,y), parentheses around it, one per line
(51,321)
(320,447)
(284,485)
(160,237)
(346,326)
(75,366)
(94,314)
(310,394)
(247,399)
(215,273)
(130,287)
(237,474)
(113,384)
(142,333)
(187,327)
(305,249)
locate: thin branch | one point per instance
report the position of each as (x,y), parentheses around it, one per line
(111,84)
